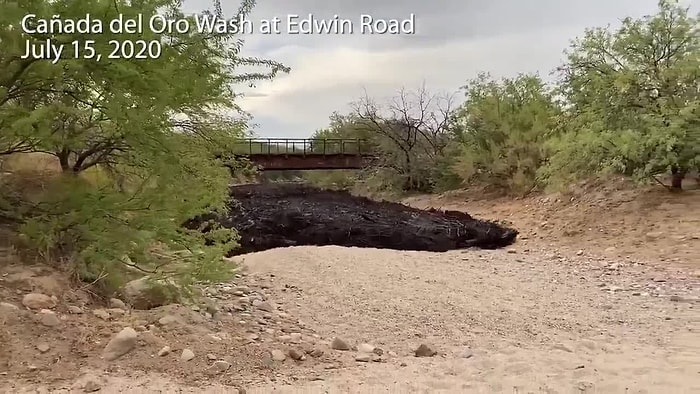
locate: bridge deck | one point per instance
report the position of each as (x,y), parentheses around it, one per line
(277,154)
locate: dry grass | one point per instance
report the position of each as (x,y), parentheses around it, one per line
(33,172)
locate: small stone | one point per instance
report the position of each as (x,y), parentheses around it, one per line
(43,347)
(116,312)
(675,298)
(363,358)
(339,344)
(253,337)
(38,301)
(365,348)
(295,354)
(117,303)
(467,353)
(278,355)
(425,351)
(295,337)
(48,318)
(376,358)
(91,385)
(562,347)
(187,355)
(285,338)
(101,313)
(120,344)
(316,353)
(211,357)
(8,306)
(579,253)
(75,310)
(168,320)
(653,235)
(164,351)
(378,351)
(218,367)
(263,305)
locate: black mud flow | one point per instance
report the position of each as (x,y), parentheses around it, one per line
(269,216)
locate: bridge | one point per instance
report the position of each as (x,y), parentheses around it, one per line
(279,154)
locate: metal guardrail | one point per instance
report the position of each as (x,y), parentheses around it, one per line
(303,146)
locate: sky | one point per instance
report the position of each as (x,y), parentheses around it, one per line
(454,40)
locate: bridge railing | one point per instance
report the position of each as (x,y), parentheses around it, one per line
(302,146)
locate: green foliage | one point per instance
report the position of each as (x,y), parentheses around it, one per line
(158,127)
(503,126)
(634,99)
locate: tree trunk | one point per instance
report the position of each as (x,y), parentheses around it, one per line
(677,175)
(63,156)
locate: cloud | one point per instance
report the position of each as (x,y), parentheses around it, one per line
(455,40)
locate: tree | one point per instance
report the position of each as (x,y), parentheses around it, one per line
(411,134)
(503,125)
(158,124)
(634,98)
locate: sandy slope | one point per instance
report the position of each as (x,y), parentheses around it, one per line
(534,323)
(530,321)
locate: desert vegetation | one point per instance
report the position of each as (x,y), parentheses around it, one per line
(625,102)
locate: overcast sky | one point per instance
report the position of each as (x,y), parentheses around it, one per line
(455,39)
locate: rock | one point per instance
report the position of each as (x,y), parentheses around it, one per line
(168,320)
(425,351)
(278,355)
(365,348)
(48,318)
(101,313)
(211,357)
(91,385)
(375,358)
(8,306)
(295,337)
(363,358)
(218,367)
(562,347)
(295,354)
(164,351)
(263,305)
(653,235)
(145,293)
(120,344)
(75,310)
(187,355)
(43,347)
(316,353)
(339,344)
(467,353)
(378,351)
(284,338)
(9,312)
(117,303)
(116,312)
(579,253)
(38,301)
